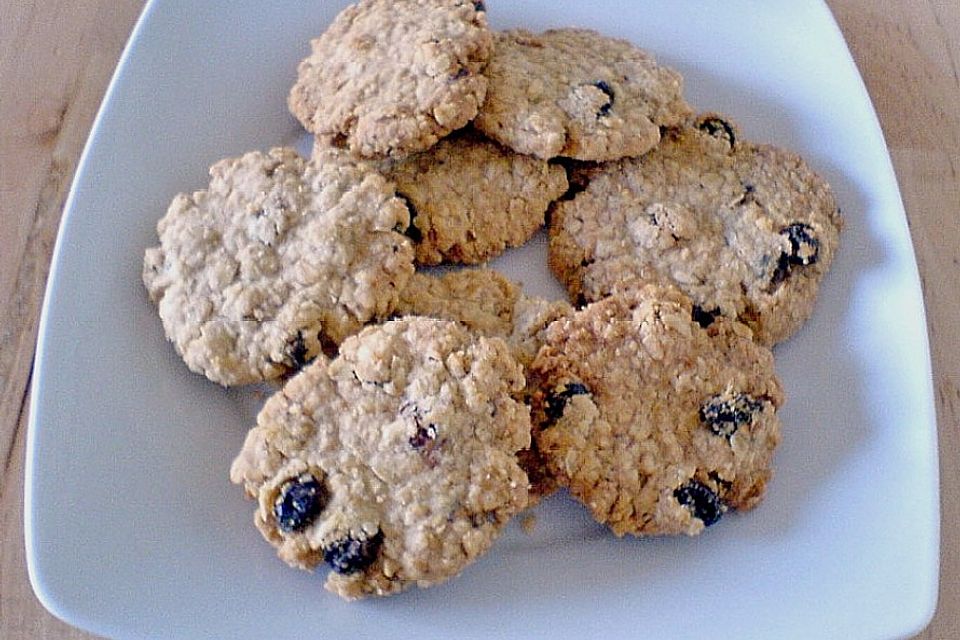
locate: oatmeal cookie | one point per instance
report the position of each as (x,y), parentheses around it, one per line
(275,257)
(395,463)
(391,77)
(655,423)
(747,231)
(470,198)
(579,94)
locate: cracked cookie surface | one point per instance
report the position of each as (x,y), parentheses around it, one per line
(578,94)
(655,423)
(395,462)
(747,231)
(274,257)
(391,77)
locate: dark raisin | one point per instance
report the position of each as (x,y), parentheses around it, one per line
(724,414)
(297,351)
(804,251)
(479,6)
(461,73)
(424,436)
(804,246)
(351,555)
(704,318)
(604,109)
(781,271)
(300,502)
(557,401)
(411,231)
(701,501)
(718,128)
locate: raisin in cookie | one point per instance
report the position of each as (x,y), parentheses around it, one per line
(655,423)
(276,256)
(576,93)
(747,231)
(391,77)
(470,198)
(395,463)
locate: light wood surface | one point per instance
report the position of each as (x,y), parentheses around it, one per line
(56,58)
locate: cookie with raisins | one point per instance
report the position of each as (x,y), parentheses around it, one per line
(578,94)
(389,77)
(747,231)
(395,464)
(277,256)
(657,424)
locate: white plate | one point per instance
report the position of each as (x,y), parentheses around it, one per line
(133,529)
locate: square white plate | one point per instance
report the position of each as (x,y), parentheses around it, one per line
(133,529)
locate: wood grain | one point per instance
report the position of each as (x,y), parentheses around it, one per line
(56,58)
(909,55)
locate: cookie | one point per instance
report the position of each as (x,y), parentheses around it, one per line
(747,231)
(656,424)
(471,198)
(275,257)
(394,463)
(392,77)
(579,94)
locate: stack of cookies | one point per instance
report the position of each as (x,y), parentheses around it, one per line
(417,413)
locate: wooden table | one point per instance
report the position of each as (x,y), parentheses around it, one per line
(56,58)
